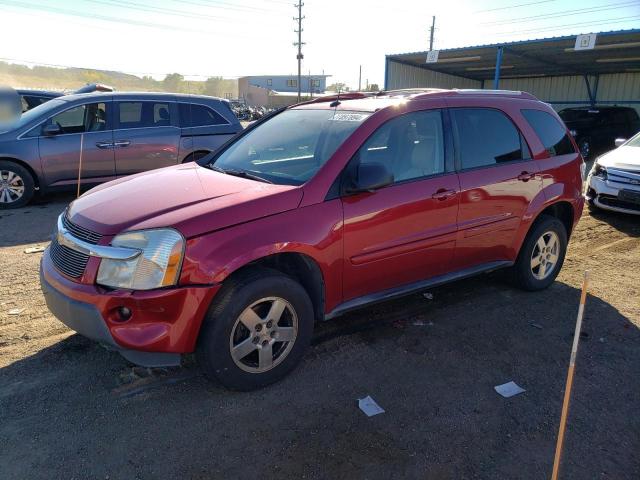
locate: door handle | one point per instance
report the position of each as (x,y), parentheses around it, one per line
(444,194)
(104,144)
(526,176)
(121,143)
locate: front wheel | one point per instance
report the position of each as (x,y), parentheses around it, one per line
(16,185)
(256,331)
(542,254)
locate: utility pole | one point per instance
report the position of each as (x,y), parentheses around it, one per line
(360,79)
(299,44)
(432,30)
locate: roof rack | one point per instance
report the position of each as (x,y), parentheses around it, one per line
(339,96)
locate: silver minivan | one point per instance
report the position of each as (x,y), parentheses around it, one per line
(102,136)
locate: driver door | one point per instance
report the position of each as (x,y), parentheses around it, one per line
(89,124)
(405,232)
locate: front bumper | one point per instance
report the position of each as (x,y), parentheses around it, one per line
(604,194)
(164,323)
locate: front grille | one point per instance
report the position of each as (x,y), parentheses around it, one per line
(68,261)
(612,201)
(80,232)
(623,176)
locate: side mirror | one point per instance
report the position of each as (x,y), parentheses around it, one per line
(370,177)
(620,141)
(51,130)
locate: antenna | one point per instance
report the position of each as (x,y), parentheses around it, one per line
(80,164)
(299,44)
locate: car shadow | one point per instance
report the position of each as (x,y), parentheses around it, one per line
(430,361)
(625,223)
(34,223)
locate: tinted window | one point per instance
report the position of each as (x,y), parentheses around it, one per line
(83,118)
(550,131)
(486,137)
(411,146)
(192,115)
(144,114)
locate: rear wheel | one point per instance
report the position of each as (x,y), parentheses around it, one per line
(256,331)
(16,185)
(542,254)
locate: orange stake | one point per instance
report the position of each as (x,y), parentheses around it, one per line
(567,389)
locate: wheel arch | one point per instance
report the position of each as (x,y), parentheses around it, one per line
(29,168)
(299,266)
(193,156)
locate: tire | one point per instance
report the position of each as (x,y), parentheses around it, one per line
(16,185)
(223,330)
(553,234)
(584,145)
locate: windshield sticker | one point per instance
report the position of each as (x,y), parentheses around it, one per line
(349,117)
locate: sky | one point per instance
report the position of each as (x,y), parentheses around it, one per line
(232,38)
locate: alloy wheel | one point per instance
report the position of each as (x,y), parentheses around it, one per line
(11,186)
(263,335)
(545,255)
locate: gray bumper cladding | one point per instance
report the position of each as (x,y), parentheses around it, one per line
(85,319)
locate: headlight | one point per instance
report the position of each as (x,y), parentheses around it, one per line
(599,171)
(158,264)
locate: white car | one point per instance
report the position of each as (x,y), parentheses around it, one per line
(614,180)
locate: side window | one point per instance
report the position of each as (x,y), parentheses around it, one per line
(411,146)
(143,114)
(550,131)
(486,137)
(83,118)
(192,115)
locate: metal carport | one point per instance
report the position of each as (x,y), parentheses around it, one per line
(551,68)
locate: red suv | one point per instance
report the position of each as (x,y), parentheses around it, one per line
(319,209)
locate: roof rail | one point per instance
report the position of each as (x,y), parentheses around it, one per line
(339,96)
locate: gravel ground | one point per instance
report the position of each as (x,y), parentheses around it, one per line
(71,409)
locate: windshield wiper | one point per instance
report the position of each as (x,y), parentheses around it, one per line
(239,173)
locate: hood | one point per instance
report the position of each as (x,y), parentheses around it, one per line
(190,198)
(624,158)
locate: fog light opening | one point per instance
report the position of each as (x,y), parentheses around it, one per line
(124,313)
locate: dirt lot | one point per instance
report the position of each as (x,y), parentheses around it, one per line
(71,409)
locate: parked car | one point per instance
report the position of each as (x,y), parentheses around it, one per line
(121,134)
(316,210)
(614,181)
(32,98)
(596,128)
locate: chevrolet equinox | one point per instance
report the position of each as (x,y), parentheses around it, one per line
(316,210)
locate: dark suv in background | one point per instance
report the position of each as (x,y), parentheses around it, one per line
(121,133)
(596,128)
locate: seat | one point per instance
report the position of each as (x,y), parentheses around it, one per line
(426,156)
(98,121)
(164,119)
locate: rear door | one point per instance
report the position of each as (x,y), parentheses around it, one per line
(60,154)
(146,135)
(498,180)
(205,128)
(405,232)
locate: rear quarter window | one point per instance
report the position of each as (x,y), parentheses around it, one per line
(550,131)
(194,115)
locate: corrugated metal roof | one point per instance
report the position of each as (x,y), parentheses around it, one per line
(520,42)
(615,52)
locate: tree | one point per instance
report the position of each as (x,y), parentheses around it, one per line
(338,87)
(373,87)
(173,82)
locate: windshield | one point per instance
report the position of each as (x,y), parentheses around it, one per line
(634,142)
(291,147)
(578,114)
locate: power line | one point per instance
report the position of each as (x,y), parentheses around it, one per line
(299,44)
(563,13)
(579,24)
(513,6)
